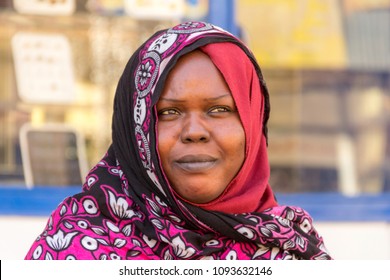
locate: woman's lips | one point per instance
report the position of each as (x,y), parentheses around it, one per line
(196,163)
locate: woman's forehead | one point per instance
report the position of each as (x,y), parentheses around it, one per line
(193,61)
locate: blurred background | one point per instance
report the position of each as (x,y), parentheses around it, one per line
(327,67)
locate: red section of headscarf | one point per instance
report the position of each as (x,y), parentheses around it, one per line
(249,191)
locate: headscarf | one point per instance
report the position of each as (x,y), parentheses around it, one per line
(128,210)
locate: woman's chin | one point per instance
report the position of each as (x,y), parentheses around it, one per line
(198,198)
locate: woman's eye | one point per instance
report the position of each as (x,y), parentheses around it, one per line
(167,112)
(220,109)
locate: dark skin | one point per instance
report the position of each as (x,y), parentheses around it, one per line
(201,140)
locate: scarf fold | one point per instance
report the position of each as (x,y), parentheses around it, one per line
(127,209)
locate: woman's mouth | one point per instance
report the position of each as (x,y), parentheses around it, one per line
(196,163)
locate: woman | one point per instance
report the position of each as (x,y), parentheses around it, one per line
(187,174)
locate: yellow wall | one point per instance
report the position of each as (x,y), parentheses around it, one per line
(287,33)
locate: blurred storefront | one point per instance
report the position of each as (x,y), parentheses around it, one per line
(327,66)
(326,63)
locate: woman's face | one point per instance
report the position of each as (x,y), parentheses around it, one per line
(201,141)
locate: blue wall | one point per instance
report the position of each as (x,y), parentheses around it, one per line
(41,201)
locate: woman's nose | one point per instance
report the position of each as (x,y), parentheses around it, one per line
(194,130)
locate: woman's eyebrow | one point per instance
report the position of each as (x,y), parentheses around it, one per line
(218,97)
(171,100)
(174,100)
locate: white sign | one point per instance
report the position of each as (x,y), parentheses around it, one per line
(45,7)
(53,155)
(155,9)
(44,68)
